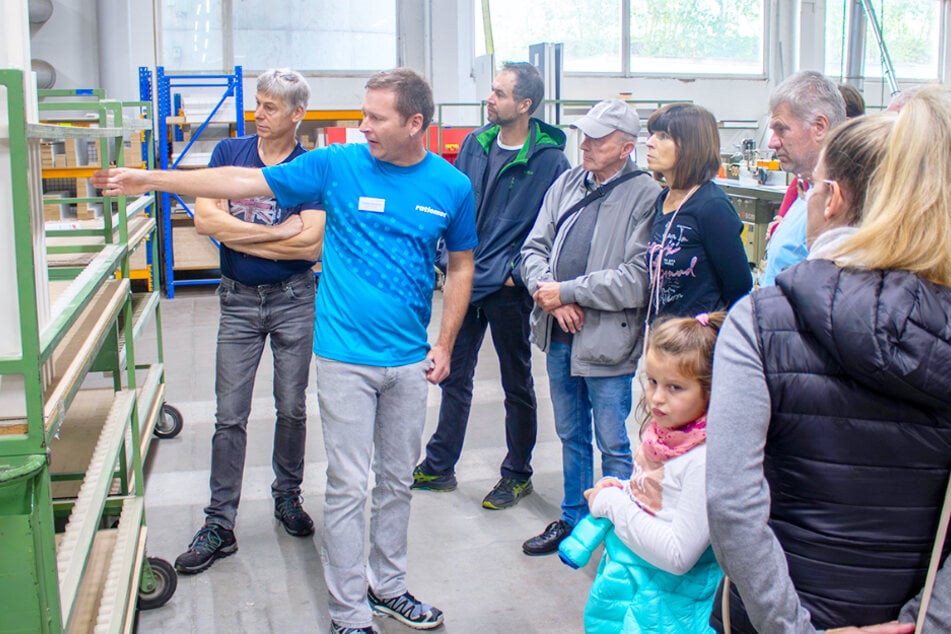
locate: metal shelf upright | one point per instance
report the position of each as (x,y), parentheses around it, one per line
(169,126)
(74,454)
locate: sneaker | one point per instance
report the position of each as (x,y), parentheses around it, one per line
(296,521)
(507,493)
(407,610)
(549,540)
(211,542)
(336,628)
(423,481)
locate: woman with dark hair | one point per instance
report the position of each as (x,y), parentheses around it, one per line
(829,429)
(695,256)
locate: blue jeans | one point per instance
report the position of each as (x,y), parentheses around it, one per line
(576,400)
(249,315)
(506,312)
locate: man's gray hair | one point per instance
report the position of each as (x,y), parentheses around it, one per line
(286,84)
(809,94)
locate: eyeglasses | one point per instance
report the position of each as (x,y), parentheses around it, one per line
(808,193)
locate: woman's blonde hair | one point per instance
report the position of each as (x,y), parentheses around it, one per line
(690,342)
(907,221)
(851,154)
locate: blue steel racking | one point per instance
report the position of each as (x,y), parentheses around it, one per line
(164,98)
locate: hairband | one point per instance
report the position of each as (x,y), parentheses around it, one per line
(703,318)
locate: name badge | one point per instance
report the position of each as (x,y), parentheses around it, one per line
(371,204)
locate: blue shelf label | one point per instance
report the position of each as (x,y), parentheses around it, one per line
(84,91)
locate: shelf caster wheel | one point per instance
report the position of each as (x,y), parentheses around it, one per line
(170,422)
(157,584)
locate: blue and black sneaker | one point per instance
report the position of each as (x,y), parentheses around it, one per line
(211,542)
(407,610)
(296,521)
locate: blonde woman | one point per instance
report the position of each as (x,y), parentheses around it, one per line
(829,429)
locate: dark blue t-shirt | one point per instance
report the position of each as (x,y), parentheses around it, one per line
(249,269)
(703,263)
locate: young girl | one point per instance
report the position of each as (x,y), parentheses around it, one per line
(658,572)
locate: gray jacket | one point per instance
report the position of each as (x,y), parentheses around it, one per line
(613,291)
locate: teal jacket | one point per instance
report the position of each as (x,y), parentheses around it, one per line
(632,596)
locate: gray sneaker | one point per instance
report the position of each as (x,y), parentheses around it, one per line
(407,610)
(336,628)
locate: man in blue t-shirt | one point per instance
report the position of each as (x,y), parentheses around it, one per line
(387,202)
(266,291)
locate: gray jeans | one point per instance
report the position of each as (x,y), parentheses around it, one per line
(368,414)
(249,315)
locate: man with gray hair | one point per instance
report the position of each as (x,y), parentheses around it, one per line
(804,108)
(584,263)
(267,290)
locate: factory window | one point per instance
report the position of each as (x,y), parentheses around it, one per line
(675,37)
(308,35)
(191,35)
(911,30)
(697,37)
(590,31)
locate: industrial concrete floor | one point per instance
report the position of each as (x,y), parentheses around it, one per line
(464,559)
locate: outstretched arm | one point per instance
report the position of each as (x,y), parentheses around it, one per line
(216,182)
(455,304)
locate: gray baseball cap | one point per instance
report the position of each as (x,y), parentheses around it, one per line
(607,116)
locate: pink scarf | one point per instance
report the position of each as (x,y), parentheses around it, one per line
(661,444)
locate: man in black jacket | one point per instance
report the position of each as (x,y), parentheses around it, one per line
(511,162)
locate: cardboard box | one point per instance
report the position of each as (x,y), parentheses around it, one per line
(53,211)
(70,153)
(85,211)
(47,156)
(132,154)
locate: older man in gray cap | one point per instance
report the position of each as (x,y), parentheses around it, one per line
(584,264)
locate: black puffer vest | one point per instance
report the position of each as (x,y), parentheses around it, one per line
(858,453)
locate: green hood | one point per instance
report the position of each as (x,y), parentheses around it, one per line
(541,136)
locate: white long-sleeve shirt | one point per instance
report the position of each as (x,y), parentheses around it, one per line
(676,537)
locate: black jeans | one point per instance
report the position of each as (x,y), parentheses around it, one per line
(506,312)
(283,312)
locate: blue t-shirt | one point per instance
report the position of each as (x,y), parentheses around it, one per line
(383,221)
(788,244)
(249,269)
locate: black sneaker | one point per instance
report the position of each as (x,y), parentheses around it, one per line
(336,628)
(549,540)
(211,542)
(507,493)
(407,610)
(423,481)
(296,521)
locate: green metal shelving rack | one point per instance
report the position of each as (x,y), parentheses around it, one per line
(88,575)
